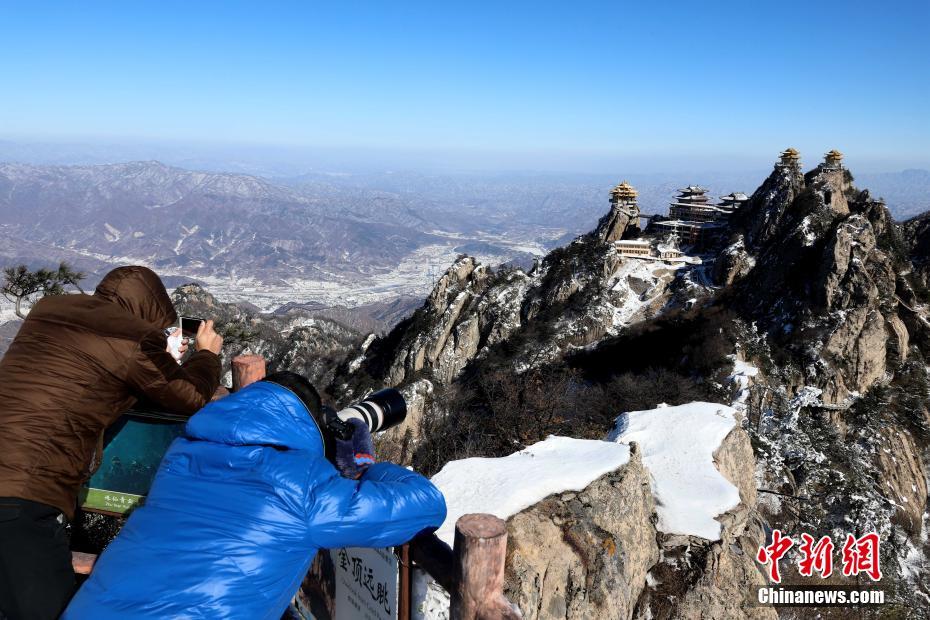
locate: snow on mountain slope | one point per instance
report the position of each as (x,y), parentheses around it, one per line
(743,374)
(636,285)
(678,444)
(505,486)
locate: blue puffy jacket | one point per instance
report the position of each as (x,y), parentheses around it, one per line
(237,511)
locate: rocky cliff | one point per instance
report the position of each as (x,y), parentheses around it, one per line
(603,551)
(587,554)
(917,237)
(824,280)
(298,340)
(698,578)
(835,316)
(478,319)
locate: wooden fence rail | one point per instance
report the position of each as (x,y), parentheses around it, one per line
(472,572)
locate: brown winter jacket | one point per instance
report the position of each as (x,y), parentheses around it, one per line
(76,365)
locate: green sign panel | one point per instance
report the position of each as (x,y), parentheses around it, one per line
(133,449)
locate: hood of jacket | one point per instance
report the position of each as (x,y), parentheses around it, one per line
(139,291)
(262,414)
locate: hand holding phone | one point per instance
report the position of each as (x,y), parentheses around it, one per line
(207,338)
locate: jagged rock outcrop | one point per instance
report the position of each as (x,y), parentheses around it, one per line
(762,216)
(824,278)
(833,186)
(916,233)
(843,414)
(902,477)
(598,554)
(298,341)
(584,555)
(397,445)
(898,338)
(733,263)
(468,309)
(614,224)
(577,295)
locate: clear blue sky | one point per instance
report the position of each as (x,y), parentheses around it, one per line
(700,81)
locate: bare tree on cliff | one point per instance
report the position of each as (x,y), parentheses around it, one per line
(22,284)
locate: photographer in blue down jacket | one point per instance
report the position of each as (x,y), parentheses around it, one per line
(242,503)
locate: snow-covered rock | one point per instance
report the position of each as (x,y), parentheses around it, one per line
(586,554)
(578,512)
(678,445)
(505,486)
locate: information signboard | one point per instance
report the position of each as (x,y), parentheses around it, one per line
(133,448)
(366,584)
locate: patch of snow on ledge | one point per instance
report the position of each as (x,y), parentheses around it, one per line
(505,486)
(743,373)
(677,444)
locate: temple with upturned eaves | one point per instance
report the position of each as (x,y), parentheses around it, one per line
(789,158)
(623,197)
(833,160)
(622,221)
(692,217)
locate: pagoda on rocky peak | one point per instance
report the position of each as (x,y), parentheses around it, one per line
(789,157)
(623,193)
(623,218)
(833,160)
(623,198)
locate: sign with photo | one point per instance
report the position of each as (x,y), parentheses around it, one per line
(133,448)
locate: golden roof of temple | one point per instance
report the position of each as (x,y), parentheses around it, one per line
(624,190)
(790,153)
(833,155)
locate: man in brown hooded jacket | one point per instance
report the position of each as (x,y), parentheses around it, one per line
(76,365)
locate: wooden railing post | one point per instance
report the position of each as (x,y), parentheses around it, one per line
(247,369)
(480,554)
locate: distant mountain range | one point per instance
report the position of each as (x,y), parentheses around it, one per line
(323,237)
(229,227)
(205,223)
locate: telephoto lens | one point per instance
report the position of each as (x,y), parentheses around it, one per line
(379,411)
